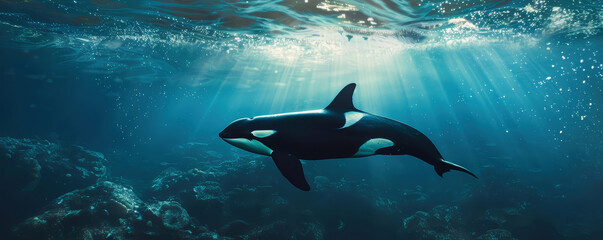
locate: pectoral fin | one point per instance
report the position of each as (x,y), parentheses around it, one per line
(291,168)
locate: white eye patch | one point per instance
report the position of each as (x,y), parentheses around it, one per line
(262,133)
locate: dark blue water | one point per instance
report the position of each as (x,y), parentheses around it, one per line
(509,89)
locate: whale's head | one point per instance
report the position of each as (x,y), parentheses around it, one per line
(240,128)
(245,134)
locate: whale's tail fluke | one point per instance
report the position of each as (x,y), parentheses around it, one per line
(444,166)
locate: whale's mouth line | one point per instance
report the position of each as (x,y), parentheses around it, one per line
(226,135)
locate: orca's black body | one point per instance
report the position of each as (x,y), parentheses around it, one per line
(337,131)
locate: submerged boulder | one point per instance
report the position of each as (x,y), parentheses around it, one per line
(42,166)
(100,211)
(107,211)
(33,172)
(172,182)
(194,190)
(442,222)
(171,214)
(209,191)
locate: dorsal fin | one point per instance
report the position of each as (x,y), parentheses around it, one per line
(343,100)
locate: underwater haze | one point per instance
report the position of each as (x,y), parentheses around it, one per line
(110,113)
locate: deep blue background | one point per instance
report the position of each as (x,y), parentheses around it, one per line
(516,103)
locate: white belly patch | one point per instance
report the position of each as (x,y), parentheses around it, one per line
(371,146)
(253,146)
(351,118)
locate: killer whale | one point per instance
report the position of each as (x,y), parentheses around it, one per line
(337,131)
